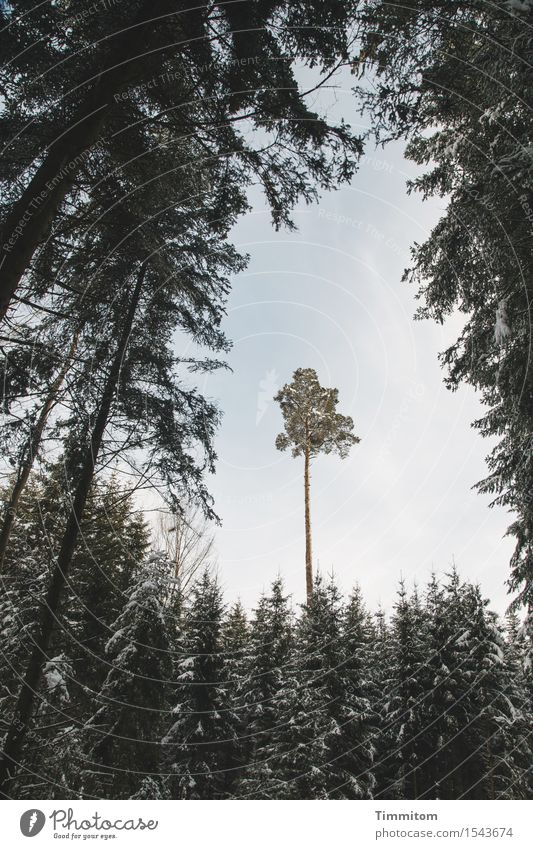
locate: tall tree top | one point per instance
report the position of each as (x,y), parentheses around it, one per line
(311,419)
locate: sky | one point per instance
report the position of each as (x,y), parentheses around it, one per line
(330,297)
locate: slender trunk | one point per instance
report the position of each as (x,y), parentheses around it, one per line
(32,216)
(23,711)
(31,451)
(308,550)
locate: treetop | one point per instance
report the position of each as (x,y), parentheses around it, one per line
(312,422)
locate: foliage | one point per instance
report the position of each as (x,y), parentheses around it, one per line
(311,420)
(454,80)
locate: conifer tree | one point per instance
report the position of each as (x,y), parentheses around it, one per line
(19,610)
(405,717)
(469,709)
(265,688)
(235,640)
(454,81)
(114,540)
(322,750)
(25,703)
(294,757)
(222,76)
(358,638)
(235,636)
(31,445)
(382,684)
(173,420)
(519,651)
(200,744)
(53,755)
(496,754)
(122,739)
(450,683)
(312,426)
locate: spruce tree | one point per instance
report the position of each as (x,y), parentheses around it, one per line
(380,658)
(236,645)
(264,692)
(321,749)
(519,648)
(470,704)
(114,540)
(200,744)
(53,756)
(455,82)
(173,419)
(402,770)
(354,747)
(19,611)
(122,739)
(496,755)
(222,76)
(450,683)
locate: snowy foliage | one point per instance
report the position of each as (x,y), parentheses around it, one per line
(456,83)
(501,326)
(200,703)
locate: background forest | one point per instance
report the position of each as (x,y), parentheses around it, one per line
(133,142)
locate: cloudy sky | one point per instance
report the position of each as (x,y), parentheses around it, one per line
(330,297)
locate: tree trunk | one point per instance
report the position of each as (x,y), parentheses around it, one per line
(32,216)
(492,783)
(31,451)
(308,550)
(26,700)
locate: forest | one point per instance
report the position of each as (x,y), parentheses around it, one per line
(133,140)
(150,692)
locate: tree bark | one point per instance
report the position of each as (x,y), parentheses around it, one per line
(308,549)
(23,711)
(32,216)
(31,451)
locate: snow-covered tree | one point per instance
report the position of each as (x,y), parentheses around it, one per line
(471,707)
(200,744)
(50,756)
(236,646)
(380,659)
(122,740)
(113,539)
(449,685)
(519,654)
(321,749)
(454,79)
(495,745)
(264,691)
(403,749)
(54,756)
(352,747)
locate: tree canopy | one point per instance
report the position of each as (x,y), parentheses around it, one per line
(311,420)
